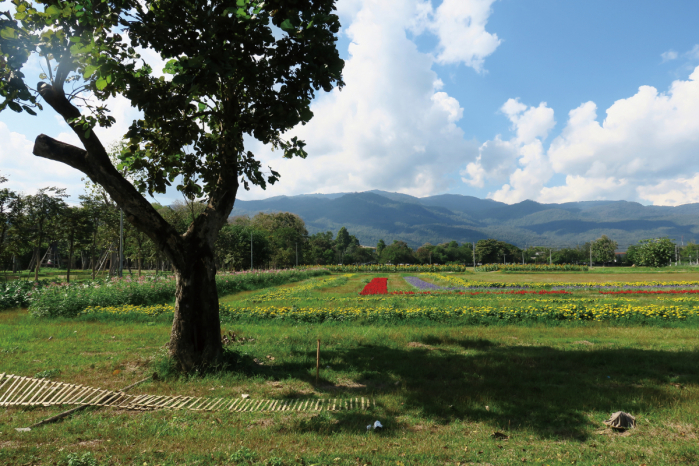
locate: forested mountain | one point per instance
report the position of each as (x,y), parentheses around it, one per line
(375,215)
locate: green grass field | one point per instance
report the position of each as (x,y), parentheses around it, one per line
(442,388)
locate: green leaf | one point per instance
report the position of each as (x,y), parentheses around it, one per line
(8,33)
(75,39)
(240,3)
(15,106)
(29,110)
(20,16)
(21,8)
(89,71)
(87,133)
(286,25)
(101,84)
(52,11)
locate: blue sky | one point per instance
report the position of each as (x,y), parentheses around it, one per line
(503,99)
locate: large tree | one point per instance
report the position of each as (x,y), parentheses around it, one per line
(603,249)
(237,68)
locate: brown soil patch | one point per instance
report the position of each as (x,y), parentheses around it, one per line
(416,344)
(583,342)
(89,443)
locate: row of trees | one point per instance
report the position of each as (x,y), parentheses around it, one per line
(41,229)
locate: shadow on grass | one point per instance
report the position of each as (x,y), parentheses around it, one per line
(545,389)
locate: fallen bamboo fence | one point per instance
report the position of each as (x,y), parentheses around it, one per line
(27,391)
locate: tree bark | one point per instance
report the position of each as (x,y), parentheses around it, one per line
(195,339)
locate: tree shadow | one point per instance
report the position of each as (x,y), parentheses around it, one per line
(549,390)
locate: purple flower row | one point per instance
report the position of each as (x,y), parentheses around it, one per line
(422,285)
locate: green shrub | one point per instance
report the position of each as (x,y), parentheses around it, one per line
(69,300)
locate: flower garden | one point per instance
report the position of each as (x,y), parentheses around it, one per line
(445,355)
(441,297)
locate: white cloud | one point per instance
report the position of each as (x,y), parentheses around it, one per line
(494,162)
(676,191)
(521,159)
(460,27)
(636,153)
(669,55)
(578,188)
(528,180)
(26,172)
(647,136)
(694,53)
(390,128)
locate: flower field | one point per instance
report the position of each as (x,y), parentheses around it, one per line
(410,298)
(533,268)
(385,268)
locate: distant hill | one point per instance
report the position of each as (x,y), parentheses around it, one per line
(375,215)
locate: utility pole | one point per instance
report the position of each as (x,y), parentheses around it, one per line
(550,261)
(251,268)
(297,254)
(474,255)
(121,243)
(504,258)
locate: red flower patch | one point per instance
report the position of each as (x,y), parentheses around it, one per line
(651,292)
(376,286)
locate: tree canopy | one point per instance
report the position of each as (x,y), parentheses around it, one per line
(235,68)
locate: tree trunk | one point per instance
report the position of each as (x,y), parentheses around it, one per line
(70,257)
(195,339)
(38,259)
(92,260)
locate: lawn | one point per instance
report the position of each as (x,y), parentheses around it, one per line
(442,388)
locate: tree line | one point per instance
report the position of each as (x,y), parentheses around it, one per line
(42,230)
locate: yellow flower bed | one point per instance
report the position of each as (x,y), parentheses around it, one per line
(456,281)
(545,311)
(153,311)
(290,293)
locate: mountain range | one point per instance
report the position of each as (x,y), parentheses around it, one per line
(374,215)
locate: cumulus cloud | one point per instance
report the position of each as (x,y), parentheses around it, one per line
(647,136)
(391,126)
(460,28)
(635,153)
(524,151)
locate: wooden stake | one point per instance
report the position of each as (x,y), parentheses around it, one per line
(318,362)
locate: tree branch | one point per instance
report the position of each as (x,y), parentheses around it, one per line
(137,209)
